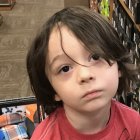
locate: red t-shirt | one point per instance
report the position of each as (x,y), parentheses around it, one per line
(124,124)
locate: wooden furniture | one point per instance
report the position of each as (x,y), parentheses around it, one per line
(94,4)
(7,4)
(1,19)
(68,3)
(129,12)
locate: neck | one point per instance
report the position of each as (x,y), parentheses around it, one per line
(89,123)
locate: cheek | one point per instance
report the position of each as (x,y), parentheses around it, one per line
(59,86)
(62,89)
(109,76)
(113,83)
(112,80)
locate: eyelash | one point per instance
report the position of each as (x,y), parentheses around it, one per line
(64,68)
(95,57)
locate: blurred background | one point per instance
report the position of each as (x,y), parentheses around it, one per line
(19,22)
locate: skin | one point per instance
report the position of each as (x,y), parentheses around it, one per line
(87,89)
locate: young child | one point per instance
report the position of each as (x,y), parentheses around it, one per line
(76,66)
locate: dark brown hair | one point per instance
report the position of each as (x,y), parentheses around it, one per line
(90,28)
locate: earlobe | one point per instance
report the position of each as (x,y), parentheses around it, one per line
(57,98)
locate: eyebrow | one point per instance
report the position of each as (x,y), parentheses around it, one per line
(56,58)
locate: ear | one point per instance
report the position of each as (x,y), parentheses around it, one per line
(57,97)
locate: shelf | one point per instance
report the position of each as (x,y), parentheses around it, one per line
(111,9)
(129,14)
(7,4)
(1,19)
(93,5)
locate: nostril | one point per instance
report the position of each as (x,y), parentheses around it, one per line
(82,81)
(85,80)
(90,78)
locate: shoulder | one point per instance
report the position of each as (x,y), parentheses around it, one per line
(128,118)
(125,110)
(46,126)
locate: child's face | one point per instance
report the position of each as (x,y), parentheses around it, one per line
(83,88)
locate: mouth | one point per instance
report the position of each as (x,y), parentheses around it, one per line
(92,94)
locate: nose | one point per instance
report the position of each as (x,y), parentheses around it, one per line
(85,74)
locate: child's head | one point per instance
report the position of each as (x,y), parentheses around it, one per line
(96,40)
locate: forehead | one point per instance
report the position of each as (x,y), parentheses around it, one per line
(54,42)
(63,39)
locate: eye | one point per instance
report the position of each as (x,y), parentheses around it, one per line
(65,69)
(95,57)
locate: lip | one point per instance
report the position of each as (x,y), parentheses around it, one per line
(92,94)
